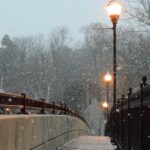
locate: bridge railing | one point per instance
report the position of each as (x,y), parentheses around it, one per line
(21,104)
(129,120)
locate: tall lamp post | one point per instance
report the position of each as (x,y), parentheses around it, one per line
(105,107)
(108,79)
(114,10)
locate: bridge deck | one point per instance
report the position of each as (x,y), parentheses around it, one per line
(89,143)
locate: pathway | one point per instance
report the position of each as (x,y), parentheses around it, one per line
(89,143)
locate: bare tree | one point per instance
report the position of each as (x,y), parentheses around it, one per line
(140,11)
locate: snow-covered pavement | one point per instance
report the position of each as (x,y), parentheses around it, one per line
(89,143)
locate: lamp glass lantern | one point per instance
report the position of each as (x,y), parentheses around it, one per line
(114,9)
(105,105)
(108,77)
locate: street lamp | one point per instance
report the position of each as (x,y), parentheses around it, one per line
(105,107)
(114,8)
(108,79)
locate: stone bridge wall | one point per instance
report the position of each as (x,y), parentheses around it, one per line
(38,132)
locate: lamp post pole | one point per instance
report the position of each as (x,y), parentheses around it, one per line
(108,79)
(114,62)
(107,86)
(105,107)
(114,10)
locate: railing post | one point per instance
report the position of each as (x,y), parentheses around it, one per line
(53,108)
(141,116)
(113,124)
(121,118)
(129,118)
(65,109)
(61,108)
(117,122)
(24,103)
(43,106)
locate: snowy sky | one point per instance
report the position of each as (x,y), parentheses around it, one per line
(26,17)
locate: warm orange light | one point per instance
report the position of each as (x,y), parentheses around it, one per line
(114,8)
(108,77)
(7,109)
(105,105)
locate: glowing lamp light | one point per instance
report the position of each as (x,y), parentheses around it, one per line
(105,105)
(114,8)
(108,77)
(7,109)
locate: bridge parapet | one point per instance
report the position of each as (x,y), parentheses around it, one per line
(39,132)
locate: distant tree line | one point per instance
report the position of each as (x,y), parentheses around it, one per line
(52,69)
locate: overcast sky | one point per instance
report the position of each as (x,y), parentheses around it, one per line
(27,17)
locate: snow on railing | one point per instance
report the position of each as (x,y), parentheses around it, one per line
(21,104)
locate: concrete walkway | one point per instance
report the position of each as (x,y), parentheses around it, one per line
(89,143)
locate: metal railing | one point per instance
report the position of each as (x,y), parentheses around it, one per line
(21,104)
(129,120)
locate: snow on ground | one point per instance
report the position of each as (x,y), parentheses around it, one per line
(89,143)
